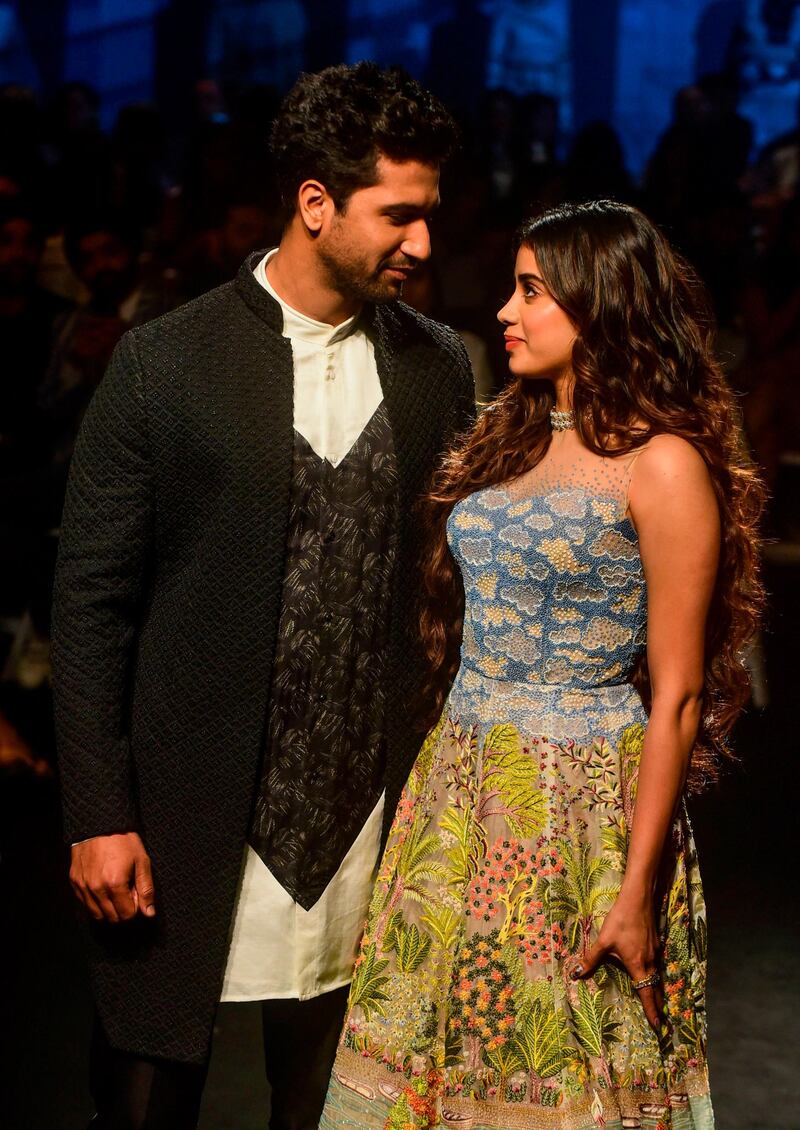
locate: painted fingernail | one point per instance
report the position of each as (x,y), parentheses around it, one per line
(576,972)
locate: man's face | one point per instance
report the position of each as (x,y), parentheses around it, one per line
(106,266)
(245,229)
(371,245)
(20,252)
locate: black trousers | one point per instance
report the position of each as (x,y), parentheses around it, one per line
(137,1093)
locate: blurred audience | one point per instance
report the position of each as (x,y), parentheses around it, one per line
(30,320)
(104,254)
(214,256)
(102,231)
(423,291)
(770,375)
(595,167)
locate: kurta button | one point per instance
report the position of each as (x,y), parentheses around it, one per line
(321,696)
(327,617)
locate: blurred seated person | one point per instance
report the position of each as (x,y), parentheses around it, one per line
(702,154)
(595,167)
(214,256)
(140,178)
(421,291)
(82,179)
(771,374)
(29,320)
(16,754)
(541,171)
(104,254)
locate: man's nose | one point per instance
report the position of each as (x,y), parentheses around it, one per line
(417,243)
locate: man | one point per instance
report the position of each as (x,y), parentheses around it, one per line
(30,494)
(29,320)
(235,645)
(104,256)
(215,255)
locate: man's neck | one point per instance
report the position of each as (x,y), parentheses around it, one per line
(295,273)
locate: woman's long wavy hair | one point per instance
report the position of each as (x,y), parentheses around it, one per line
(643,365)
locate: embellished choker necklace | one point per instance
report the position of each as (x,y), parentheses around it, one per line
(561,421)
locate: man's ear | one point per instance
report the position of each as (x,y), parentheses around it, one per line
(314,205)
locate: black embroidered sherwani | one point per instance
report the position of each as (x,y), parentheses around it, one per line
(167,605)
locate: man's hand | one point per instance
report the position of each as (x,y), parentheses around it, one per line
(111,875)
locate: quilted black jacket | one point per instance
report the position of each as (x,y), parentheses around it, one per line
(167,602)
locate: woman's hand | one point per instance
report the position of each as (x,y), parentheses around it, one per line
(629,936)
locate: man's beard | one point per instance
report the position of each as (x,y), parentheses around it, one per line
(353,279)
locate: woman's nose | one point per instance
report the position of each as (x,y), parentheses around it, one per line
(506,313)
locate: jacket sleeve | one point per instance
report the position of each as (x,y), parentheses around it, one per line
(104,553)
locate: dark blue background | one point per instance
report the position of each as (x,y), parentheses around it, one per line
(621,60)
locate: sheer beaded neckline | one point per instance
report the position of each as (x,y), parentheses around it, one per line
(577,470)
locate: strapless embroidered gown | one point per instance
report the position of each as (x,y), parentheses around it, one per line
(509,846)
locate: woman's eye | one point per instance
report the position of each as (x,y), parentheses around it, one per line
(530,291)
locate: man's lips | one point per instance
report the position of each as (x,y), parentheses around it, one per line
(512,342)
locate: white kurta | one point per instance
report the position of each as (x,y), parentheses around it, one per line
(278,949)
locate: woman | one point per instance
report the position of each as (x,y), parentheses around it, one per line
(535,950)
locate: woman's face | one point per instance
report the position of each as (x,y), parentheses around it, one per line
(539,334)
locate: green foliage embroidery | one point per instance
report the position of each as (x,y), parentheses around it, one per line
(594,1025)
(412,947)
(597,763)
(461,855)
(540,1039)
(510,777)
(443,923)
(614,839)
(504,1059)
(422,766)
(577,895)
(366,990)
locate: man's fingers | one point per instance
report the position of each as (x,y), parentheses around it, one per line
(111,875)
(120,895)
(101,899)
(145,891)
(589,963)
(98,905)
(104,900)
(84,893)
(84,896)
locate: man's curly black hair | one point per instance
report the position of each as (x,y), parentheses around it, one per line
(333,126)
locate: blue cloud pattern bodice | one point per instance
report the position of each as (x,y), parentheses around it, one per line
(555,593)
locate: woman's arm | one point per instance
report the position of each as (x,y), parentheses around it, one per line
(675,512)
